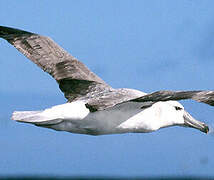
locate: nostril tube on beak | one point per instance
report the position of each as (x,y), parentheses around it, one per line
(193,123)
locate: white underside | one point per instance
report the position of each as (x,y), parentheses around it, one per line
(76,118)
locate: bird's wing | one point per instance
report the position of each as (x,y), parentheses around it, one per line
(106,100)
(74,78)
(148,100)
(114,97)
(118,103)
(119,98)
(200,96)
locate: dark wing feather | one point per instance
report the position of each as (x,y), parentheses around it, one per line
(120,97)
(111,98)
(200,96)
(71,74)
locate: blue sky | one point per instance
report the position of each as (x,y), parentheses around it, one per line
(146,45)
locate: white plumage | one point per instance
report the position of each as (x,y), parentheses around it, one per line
(129,117)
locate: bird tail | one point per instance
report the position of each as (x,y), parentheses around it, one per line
(27,116)
(34,117)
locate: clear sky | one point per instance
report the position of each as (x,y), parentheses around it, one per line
(143,44)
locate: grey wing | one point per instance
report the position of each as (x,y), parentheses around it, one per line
(105,100)
(149,99)
(200,96)
(114,97)
(74,78)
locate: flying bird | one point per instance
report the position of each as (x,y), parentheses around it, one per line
(93,107)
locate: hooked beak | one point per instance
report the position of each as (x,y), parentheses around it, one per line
(193,123)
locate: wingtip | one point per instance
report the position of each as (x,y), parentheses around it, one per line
(7,31)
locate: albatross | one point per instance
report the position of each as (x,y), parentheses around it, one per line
(93,107)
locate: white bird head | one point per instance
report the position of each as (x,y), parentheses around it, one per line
(172,113)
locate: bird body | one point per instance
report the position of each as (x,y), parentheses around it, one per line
(94,107)
(128,117)
(76,118)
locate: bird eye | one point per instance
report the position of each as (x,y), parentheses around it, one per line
(178,108)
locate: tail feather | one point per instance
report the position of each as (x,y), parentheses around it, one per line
(26,116)
(35,117)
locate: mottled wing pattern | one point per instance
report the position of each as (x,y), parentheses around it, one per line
(106,100)
(200,96)
(113,97)
(71,74)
